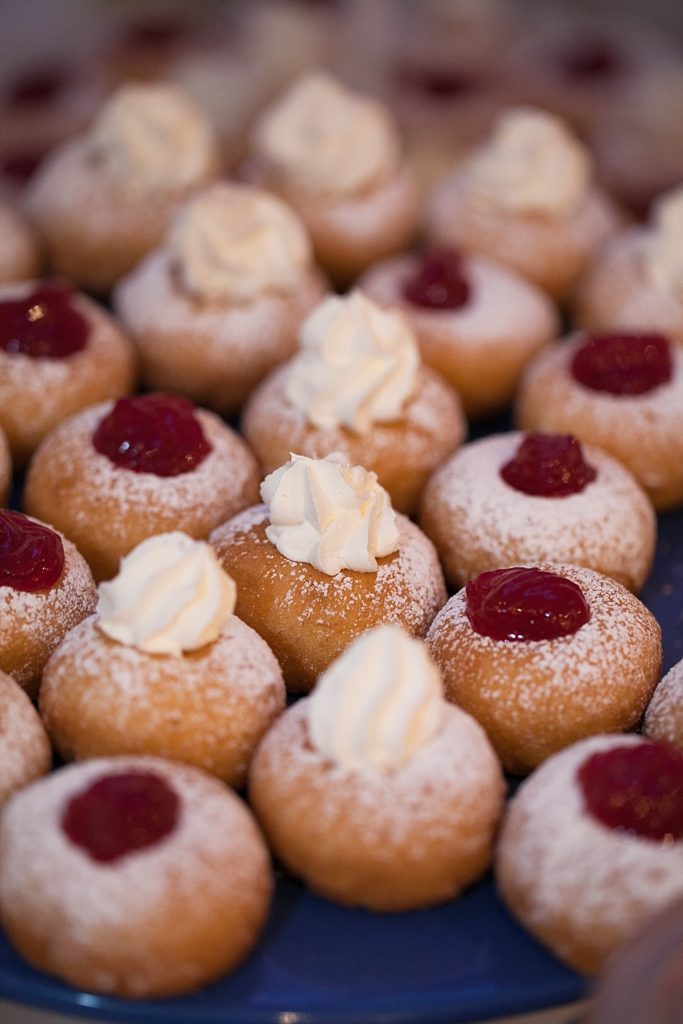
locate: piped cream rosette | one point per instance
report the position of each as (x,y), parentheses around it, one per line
(171,596)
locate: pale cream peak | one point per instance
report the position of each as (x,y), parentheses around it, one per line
(664,247)
(378,703)
(234,242)
(357,364)
(153,139)
(329,514)
(171,595)
(324,138)
(531,164)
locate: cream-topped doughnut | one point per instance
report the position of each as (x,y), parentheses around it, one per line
(324,560)
(544,656)
(356,387)
(113,475)
(335,157)
(165,668)
(565,503)
(622,391)
(46,588)
(59,352)
(20,257)
(476,321)
(100,202)
(526,198)
(129,838)
(592,845)
(664,715)
(635,281)
(233,281)
(25,751)
(374,790)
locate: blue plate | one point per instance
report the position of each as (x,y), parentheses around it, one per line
(319,963)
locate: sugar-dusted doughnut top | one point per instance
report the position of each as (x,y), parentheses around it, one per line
(25,751)
(664,716)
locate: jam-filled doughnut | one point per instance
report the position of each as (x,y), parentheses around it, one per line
(159,880)
(622,391)
(164,669)
(324,559)
(592,845)
(373,789)
(513,498)
(357,387)
(116,473)
(25,751)
(664,716)
(476,322)
(544,656)
(46,588)
(233,281)
(59,352)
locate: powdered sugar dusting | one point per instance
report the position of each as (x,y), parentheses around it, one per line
(480,522)
(664,716)
(25,751)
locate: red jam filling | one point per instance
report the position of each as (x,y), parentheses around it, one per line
(437,84)
(155,433)
(44,324)
(524,604)
(439,281)
(121,814)
(623,364)
(548,466)
(21,165)
(38,88)
(636,789)
(31,555)
(591,60)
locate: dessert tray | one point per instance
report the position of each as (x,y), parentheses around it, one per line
(319,963)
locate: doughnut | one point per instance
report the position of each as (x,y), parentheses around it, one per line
(20,257)
(590,848)
(25,751)
(560,501)
(233,281)
(131,839)
(308,615)
(358,808)
(46,588)
(477,323)
(59,352)
(510,202)
(356,387)
(544,656)
(114,474)
(664,715)
(103,200)
(621,391)
(165,671)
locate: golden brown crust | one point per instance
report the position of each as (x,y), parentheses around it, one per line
(107,511)
(535,698)
(25,751)
(308,618)
(402,453)
(389,841)
(208,708)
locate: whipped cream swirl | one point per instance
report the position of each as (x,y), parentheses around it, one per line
(323,138)
(153,138)
(329,514)
(234,243)
(664,247)
(378,703)
(357,364)
(171,595)
(532,164)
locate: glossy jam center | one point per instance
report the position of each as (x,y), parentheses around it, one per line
(548,466)
(623,364)
(121,814)
(637,789)
(31,555)
(439,281)
(524,604)
(154,433)
(43,324)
